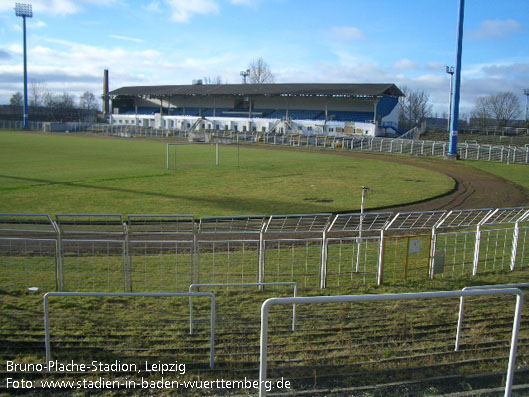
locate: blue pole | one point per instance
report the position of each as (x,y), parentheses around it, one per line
(455,107)
(25,79)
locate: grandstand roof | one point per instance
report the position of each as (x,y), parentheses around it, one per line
(351,90)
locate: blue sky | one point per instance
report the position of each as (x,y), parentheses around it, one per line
(404,42)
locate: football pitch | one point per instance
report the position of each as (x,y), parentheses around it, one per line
(47,173)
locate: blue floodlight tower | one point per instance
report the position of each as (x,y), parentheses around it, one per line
(455,108)
(24,11)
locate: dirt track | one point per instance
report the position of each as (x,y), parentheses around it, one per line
(474,188)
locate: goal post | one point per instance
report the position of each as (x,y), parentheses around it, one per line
(170,152)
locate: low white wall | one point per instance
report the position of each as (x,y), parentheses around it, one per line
(308,127)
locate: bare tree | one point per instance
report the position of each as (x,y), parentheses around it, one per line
(500,108)
(17,99)
(260,72)
(415,107)
(66,101)
(37,91)
(505,107)
(48,99)
(88,101)
(481,115)
(212,80)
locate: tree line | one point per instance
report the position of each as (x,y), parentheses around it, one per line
(40,95)
(495,110)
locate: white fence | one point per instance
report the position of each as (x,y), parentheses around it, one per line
(106,252)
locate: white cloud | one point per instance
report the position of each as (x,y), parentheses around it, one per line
(126,38)
(153,7)
(496,29)
(405,64)
(347,33)
(183,10)
(37,25)
(16,49)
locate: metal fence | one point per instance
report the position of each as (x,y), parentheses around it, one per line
(107,252)
(467,151)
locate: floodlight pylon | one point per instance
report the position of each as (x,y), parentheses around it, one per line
(25,11)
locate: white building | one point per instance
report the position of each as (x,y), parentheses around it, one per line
(314,109)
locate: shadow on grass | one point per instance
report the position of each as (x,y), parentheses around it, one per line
(228,203)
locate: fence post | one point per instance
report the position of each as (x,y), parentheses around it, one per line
(58,259)
(431,250)
(407,258)
(514,250)
(195,261)
(127,265)
(381,248)
(323,269)
(476,250)
(261,259)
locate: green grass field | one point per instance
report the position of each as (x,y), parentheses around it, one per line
(71,174)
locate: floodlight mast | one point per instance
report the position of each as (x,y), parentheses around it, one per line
(25,11)
(452,152)
(244,74)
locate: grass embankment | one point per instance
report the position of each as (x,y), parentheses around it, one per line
(515,173)
(70,174)
(340,345)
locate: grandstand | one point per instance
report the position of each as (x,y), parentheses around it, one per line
(311,109)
